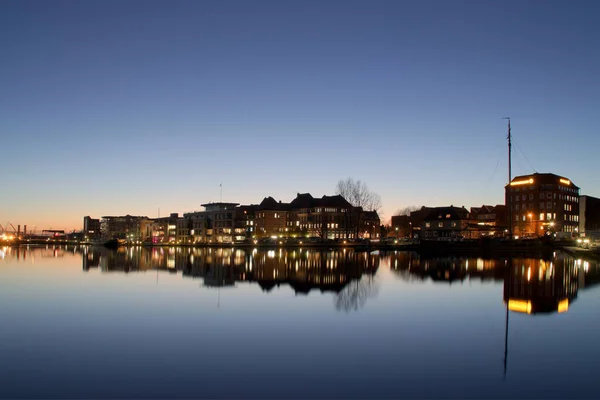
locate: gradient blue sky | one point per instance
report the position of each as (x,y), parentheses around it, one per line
(116,107)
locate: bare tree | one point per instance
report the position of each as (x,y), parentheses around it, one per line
(355,295)
(358,194)
(406,210)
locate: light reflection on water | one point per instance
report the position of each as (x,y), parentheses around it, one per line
(223,322)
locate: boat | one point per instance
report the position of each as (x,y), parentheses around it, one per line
(110,243)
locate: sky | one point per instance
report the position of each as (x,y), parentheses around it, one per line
(148,107)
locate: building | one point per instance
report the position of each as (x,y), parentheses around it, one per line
(128,227)
(589,216)
(487,221)
(328,217)
(91,227)
(216,224)
(401,227)
(165,229)
(445,222)
(370,227)
(542,204)
(271,218)
(416,218)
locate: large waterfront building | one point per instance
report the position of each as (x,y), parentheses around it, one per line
(128,227)
(542,204)
(328,217)
(216,224)
(589,216)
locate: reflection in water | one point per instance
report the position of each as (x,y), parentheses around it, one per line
(541,286)
(340,272)
(531,285)
(72,331)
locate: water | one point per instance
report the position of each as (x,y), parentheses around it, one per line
(177,322)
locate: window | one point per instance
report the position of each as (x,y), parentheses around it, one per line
(541,216)
(549,205)
(453,224)
(542,204)
(427,225)
(530,196)
(440,224)
(524,197)
(517,198)
(517,207)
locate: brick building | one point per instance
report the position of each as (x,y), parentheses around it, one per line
(542,204)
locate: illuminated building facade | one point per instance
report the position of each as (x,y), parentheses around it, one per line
(543,204)
(445,222)
(271,218)
(329,217)
(487,220)
(216,224)
(127,227)
(165,229)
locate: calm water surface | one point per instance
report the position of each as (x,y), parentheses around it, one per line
(176,322)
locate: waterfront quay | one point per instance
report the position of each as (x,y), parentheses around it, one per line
(481,247)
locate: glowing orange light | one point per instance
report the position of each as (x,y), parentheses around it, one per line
(520,306)
(563,305)
(565,181)
(523,182)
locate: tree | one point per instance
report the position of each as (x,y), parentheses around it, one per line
(358,194)
(406,210)
(354,296)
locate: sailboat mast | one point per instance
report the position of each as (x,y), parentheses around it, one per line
(510,219)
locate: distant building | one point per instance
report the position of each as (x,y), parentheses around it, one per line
(91,227)
(416,218)
(216,224)
(271,218)
(328,217)
(589,216)
(370,227)
(127,227)
(542,204)
(487,221)
(245,222)
(401,226)
(165,229)
(445,222)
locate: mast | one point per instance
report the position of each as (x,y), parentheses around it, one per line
(510,219)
